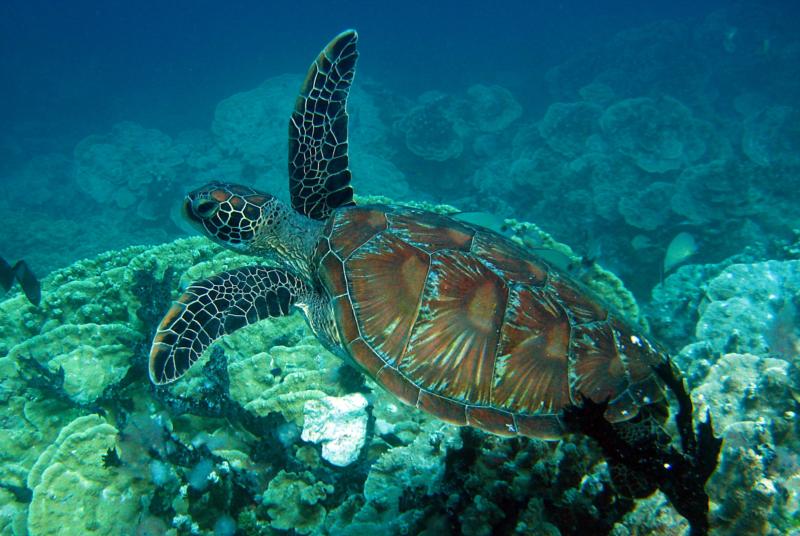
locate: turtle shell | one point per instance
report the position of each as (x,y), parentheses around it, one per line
(462,323)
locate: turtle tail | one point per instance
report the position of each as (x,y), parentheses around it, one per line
(642,459)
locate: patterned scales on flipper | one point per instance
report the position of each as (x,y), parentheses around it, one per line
(319,178)
(463,323)
(217,306)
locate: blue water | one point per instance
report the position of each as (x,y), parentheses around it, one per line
(72,69)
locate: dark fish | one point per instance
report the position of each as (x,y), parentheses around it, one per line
(24,276)
(6,274)
(20,493)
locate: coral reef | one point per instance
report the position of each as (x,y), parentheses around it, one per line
(293,502)
(753,308)
(657,134)
(228,445)
(675,127)
(490,108)
(251,126)
(567,126)
(752,398)
(131,166)
(73,487)
(429,133)
(772,136)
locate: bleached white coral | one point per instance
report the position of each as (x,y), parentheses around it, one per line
(340,424)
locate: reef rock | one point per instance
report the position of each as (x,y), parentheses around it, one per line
(340,424)
(753,308)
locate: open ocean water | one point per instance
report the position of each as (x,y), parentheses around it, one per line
(644,158)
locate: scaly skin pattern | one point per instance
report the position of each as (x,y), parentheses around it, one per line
(217,306)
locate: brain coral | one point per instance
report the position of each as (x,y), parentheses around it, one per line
(657,134)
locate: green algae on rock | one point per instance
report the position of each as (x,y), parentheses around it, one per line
(293,501)
(74,492)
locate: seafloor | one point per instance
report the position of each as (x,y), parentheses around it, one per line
(635,152)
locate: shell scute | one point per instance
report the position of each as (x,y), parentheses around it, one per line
(430,232)
(597,371)
(532,369)
(332,274)
(352,228)
(583,307)
(492,420)
(398,385)
(509,258)
(453,344)
(386,279)
(444,408)
(345,319)
(366,357)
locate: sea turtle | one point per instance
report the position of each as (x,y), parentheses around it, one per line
(449,317)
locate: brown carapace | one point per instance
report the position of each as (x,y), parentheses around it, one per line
(464,324)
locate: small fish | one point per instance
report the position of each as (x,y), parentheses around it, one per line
(484,219)
(641,242)
(680,249)
(24,276)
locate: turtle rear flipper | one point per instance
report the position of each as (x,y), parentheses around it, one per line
(643,448)
(319,174)
(215,307)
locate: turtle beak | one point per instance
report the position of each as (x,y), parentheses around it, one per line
(186,208)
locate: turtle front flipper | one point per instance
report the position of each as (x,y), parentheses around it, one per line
(215,307)
(319,177)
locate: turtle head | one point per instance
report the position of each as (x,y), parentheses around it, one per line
(230,214)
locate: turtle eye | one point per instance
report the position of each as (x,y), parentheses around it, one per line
(205,208)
